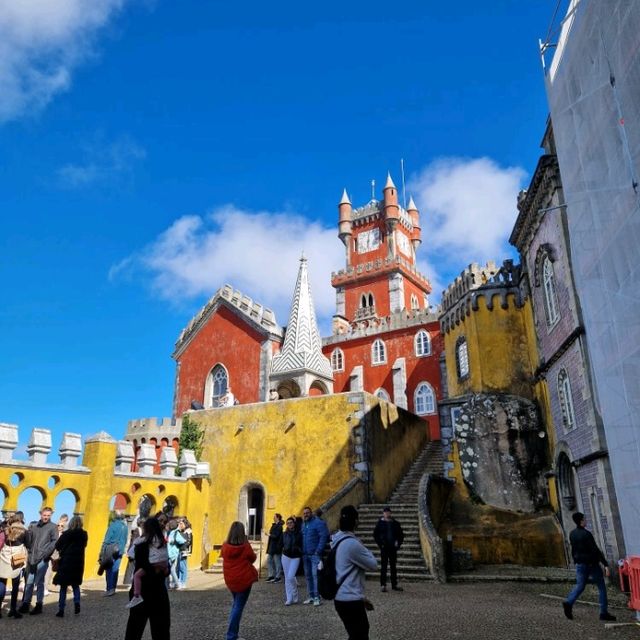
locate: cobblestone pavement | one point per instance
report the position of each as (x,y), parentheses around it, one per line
(509,611)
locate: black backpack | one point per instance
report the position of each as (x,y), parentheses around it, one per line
(328,584)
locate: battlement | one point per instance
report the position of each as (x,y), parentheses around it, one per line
(375,208)
(258,314)
(377,267)
(472,277)
(462,296)
(375,326)
(71,451)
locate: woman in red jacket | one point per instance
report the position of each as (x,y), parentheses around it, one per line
(239,573)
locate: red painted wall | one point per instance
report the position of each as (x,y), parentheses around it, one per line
(398,344)
(228,340)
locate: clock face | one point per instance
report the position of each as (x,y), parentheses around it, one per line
(369,240)
(403,243)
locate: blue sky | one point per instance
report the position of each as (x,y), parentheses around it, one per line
(152,151)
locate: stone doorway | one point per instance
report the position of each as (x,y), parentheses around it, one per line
(251,509)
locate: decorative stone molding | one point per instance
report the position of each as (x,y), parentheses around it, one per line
(168,461)
(70,449)
(39,446)
(124,456)
(146,459)
(8,441)
(188,463)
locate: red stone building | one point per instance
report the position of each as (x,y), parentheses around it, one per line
(385,338)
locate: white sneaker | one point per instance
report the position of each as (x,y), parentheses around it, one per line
(111,592)
(309,601)
(47,592)
(316,602)
(134,602)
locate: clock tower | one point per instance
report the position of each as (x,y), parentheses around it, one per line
(380,277)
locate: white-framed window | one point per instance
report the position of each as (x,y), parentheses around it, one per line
(366,300)
(382,394)
(216,386)
(424,399)
(337,360)
(422,343)
(378,352)
(566,401)
(462,358)
(414,301)
(549,292)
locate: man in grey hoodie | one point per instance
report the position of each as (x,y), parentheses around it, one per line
(352,560)
(40,540)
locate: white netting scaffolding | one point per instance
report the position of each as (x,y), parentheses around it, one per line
(593,86)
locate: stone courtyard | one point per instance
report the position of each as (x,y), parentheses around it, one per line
(495,610)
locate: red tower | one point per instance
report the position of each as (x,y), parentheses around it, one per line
(385,338)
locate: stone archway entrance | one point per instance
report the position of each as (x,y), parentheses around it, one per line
(289,389)
(251,509)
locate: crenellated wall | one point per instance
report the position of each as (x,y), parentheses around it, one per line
(97,472)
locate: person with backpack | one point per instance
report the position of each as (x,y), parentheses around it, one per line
(352,559)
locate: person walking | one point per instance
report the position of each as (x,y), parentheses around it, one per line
(352,560)
(291,554)
(239,574)
(136,532)
(389,537)
(314,538)
(71,546)
(587,558)
(185,552)
(155,607)
(40,540)
(274,550)
(114,547)
(13,558)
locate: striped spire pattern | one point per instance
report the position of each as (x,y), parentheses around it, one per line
(302,348)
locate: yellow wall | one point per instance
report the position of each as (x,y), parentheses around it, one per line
(94,489)
(303,451)
(502,349)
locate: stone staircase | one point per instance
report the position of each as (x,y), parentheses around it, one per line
(404,507)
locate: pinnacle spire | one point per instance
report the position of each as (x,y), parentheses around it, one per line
(302,347)
(389,184)
(412,205)
(345,198)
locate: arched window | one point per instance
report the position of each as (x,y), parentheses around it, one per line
(422,343)
(414,301)
(549,291)
(371,299)
(424,400)
(337,360)
(462,358)
(382,394)
(378,352)
(363,301)
(566,401)
(216,387)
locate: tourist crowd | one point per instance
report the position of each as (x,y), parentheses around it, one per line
(156,548)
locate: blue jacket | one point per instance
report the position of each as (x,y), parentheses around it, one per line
(314,536)
(117,533)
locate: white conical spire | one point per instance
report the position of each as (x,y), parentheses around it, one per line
(412,205)
(389,184)
(345,198)
(302,348)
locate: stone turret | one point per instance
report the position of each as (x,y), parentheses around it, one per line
(344,220)
(391,206)
(414,215)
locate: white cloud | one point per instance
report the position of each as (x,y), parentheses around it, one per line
(468,209)
(468,206)
(256,252)
(101,162)
(41,41)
